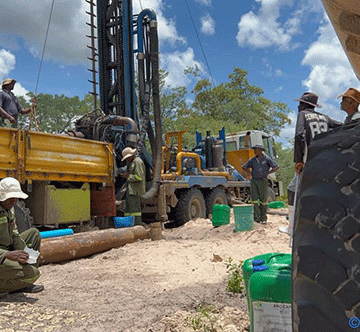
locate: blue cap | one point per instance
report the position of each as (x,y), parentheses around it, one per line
(257,262)
(260,268)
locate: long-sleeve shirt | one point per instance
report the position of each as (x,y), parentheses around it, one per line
(136,179)
(309,124)
(9,235)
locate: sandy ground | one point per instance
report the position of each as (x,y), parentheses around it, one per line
(174,285)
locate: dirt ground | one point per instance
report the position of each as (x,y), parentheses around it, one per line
(177,284)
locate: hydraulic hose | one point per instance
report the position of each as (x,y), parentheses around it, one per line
(154,58)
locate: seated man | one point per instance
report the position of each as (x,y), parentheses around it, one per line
(15,274)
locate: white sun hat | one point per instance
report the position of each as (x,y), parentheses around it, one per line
(10,188)
(128,152)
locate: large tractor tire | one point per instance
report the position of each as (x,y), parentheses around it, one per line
(191,205)
(215,196)
(23,219)
(326,243)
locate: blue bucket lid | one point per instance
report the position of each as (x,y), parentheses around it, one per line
(260,268)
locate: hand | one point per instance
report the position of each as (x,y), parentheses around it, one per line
(124,175)
(299,167)
(17,256)
(11,119)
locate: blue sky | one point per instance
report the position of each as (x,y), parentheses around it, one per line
(287,46)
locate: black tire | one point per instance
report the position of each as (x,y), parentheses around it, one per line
(326,244)
(191,205)
(215,196)
(271,195)
(23,219)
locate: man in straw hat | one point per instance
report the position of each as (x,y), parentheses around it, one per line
(10,108)
(17,273)
(350,104)
(135,176)
(261,166)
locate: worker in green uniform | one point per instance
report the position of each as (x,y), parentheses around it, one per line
(16,275)
(135,176)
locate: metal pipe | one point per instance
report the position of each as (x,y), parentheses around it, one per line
(55,250)
(183,154)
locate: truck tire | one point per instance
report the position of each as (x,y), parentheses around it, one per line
(191,205)
(326,242)
(23,219)
(215,196)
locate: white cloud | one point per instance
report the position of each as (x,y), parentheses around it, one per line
(7,63)
(204,2)
(331,72)
(268,70)
(265,29)
(67,41)
(279,88)
(207,25)
(19,90)
(175,63)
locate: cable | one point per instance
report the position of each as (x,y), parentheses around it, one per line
(43,52)
(141,5)
(198,37)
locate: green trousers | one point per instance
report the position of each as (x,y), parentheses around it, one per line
(259,196)
(14,276)
(133,207)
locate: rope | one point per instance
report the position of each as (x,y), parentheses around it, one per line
(198,37)
(32,115)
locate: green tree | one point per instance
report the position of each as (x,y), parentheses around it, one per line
(241,103)
(55,113)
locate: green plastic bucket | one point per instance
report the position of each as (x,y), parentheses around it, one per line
(244,217)
(220,215)
(270,300)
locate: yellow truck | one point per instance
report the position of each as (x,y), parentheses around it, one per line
(68,179)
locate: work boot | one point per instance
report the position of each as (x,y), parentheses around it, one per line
(29,289)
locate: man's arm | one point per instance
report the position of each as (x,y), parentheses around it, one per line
(6,115)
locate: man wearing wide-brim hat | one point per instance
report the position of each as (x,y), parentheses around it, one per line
(17,272)
(350,104)
(309,124)
(10,108)
(135,176)
(261,166)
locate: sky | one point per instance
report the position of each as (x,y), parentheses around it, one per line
(288,47)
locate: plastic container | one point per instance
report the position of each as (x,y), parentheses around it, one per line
(220,215)
(56,233)
(270,300)
(276,205)
(244,217)
(259,263)
(120,222)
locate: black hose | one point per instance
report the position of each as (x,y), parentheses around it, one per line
(154,58)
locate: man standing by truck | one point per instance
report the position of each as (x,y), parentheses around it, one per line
(10,107)
(135,177)
(16,275)
(261,166)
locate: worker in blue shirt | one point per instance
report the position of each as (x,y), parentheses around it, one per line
(261,166)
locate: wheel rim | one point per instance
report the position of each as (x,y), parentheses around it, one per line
(195,209)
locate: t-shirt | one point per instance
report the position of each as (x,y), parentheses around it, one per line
(9,103)
(260,166)
(309,124)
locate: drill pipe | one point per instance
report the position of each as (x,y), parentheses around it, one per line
(55,250)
